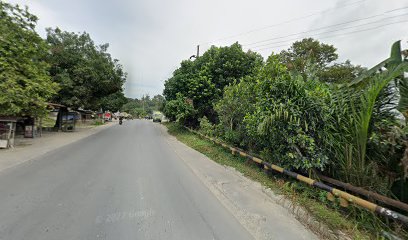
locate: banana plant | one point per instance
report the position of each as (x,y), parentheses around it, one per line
(394,60)
(359,99)
(403,89)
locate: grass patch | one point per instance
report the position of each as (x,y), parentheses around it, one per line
(313,200)
(98,123)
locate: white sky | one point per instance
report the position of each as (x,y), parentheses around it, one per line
(151,37)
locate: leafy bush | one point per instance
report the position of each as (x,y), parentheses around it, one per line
(289,118)
(203,80)
(206,127)
(181,110)
(238,101)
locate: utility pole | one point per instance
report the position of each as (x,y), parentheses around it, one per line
(143,100)
(198,53)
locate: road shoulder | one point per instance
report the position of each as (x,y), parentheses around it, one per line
(48,142)
(258,212)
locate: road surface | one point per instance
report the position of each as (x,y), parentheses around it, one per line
(125,182)
(121,183)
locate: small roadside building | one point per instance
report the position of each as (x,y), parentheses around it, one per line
(85,115)
(7,131)
(65,119)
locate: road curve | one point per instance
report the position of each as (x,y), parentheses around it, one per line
(124,182)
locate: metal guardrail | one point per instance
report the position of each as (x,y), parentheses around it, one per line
(344,196)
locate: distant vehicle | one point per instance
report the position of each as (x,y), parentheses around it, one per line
(107,116)
(157,117)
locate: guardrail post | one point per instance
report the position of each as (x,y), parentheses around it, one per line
(345,198)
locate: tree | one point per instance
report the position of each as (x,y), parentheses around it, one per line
(289,117)
(86,73)
(341,73)
(238,101)
(181,110)
(113,102)
(144,106)
(24,79)
(158,102)
(203,80)
(308,51)
(132,107)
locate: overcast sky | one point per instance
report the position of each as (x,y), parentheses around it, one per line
(151,37)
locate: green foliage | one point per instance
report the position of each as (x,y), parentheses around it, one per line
(354,118)
(237,102)
(340,73)
(206,127)
(308,50)
(402,82)
(297,192)
(144,106)
(203,80)
(86,73)
(98,123)
(302,111)
(158,102)
(24,80)
(181,110)
(113,102)
(289,118)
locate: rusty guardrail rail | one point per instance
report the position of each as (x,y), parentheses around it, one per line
(345,197)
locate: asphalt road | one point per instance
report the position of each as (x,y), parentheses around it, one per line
(124,182)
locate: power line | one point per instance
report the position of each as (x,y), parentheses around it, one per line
(397,9)
(286,22)
(335,30)
(338,24)
(337,35)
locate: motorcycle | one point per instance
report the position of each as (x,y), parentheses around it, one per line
(120,121)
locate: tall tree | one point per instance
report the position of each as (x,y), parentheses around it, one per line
(308,51)
(158,101)
(24,80)
(86,73)
(203,81)
(113,102)
(341,73)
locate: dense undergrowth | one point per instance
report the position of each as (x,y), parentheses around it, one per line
(354,222)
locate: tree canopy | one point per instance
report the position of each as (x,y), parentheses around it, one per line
(88,76)
(308,51)
(24,78)
(203,81)
(143,106)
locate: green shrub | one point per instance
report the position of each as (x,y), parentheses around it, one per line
(289,119)
(206,127)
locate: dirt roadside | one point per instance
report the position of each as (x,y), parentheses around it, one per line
(29,149)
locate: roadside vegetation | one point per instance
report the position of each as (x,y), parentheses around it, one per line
(304,111)
(65,68)
(312,200)
(145,106)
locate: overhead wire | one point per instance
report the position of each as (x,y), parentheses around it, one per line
(320,28)
(313,30)
(286,21)
(336,35)
(397,9)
